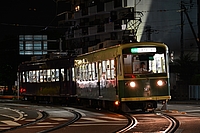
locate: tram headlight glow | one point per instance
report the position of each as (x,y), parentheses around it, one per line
(160,83)
(132,84)
(117,103)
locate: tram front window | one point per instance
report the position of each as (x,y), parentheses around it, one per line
(148,63)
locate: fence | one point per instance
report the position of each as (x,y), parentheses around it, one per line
(194,92)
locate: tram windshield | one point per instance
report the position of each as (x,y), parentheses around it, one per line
(144,62)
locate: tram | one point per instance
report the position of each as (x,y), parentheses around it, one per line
(123,77)
(47,80)
(120,77)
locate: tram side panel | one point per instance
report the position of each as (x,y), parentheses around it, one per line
(100,85)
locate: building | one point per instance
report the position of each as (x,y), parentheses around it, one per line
(90,22)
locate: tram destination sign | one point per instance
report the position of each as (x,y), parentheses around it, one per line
(143,50)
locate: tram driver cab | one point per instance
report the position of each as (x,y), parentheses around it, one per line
(144,63)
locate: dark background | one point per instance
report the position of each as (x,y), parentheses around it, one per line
(25,17)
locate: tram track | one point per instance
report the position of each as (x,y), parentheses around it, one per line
(135,120)
(131,123)
(76,117)
(174,124)
(44,115)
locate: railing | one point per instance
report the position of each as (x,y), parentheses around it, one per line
(194,92)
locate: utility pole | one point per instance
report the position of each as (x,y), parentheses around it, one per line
(181,39)
(198,21)
(148,32)
(193,32)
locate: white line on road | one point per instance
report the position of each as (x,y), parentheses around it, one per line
(11,123)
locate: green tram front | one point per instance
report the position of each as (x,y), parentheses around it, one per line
(113,78)
(145,76)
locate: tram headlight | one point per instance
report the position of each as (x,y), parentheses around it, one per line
(160,83)
(132,84)
(117,103)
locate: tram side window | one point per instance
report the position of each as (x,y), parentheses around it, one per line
(108,69)
(73,75)
(37,76)
(78,73)
(57,74)
(27,76)
(86,72)
(33,76)
(67,74)
(93,71)
(23,77)
(89,72)
(101,70)
(52,75)
(81,72)
(104,69)
(30,76)
(112,69)
(45,75)
(48,75)
(96,71)
(41,76)
(63,74)
(127,64)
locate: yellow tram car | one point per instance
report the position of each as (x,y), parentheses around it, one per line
(123,77)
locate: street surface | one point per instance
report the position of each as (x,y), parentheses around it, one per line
(31,118)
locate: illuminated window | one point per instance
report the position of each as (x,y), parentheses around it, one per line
(112,69)
(45,75)
(32,44)
(48,75)
(24,77)
(53,75)
(63,74)
(108,72)
(41,76)
(57,74)
(77,8)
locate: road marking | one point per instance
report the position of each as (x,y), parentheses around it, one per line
(58,119)
(112,118)
(9,116)
(30,120)
(39,126)
(94,119)
(46,123)
(96,124)
(11,123)
(39,115)
(3,128)
(20,114)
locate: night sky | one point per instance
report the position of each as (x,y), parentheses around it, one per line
(28,16)
(22,17)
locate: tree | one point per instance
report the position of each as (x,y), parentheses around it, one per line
(186,68)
